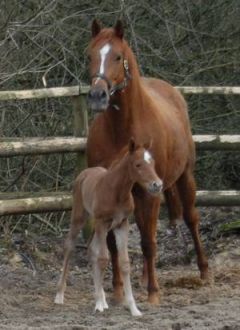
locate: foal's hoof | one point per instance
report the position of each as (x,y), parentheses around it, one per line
(153,298)
(59,299)
(100,306)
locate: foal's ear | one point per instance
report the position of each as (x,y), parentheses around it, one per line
(119,29)
(131,145)
(148,145)
(96,27)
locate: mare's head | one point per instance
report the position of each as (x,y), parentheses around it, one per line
(108,64)
(142,168)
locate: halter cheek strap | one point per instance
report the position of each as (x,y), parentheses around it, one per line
(121,85)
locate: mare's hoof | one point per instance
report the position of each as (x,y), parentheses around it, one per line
(207,277)
(153,298)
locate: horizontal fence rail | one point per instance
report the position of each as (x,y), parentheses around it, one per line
(83,89)
(34,146)
(63,202)
(24,203)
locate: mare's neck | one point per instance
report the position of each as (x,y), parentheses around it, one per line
(126,119)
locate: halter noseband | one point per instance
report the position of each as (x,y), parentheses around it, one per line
(121,85)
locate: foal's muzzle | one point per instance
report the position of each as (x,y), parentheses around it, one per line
(98,99)
(155,187)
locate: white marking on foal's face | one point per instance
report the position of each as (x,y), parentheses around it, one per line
(147,157)
(103,53)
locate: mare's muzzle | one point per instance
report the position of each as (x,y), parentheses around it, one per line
(98,96)
(98,99)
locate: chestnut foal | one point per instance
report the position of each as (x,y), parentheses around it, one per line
(106,196)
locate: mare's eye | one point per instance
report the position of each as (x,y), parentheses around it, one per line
(138,165)
(118,57)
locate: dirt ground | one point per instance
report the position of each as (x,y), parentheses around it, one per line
(29,270)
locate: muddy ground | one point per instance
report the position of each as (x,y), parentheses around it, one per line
(29,270)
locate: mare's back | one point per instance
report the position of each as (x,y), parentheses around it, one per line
(165,94)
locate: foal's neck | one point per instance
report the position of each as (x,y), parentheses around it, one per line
(119,179)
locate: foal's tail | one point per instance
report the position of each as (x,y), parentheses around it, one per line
(79,214)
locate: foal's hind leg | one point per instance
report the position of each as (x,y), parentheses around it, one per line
(77,222)
(98,254)
(187,192)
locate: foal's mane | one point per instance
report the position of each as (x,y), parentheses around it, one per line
(120,155)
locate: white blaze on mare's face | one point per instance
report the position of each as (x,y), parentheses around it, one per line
(103,53)
(147,156)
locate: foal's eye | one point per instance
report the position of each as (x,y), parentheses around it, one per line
(138,165)
(118,57)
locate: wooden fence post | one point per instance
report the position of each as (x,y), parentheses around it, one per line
(80,127)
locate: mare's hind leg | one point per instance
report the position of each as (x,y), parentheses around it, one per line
(98,254)
(121,234)
(174,205)
(78,217)
(187,192)
(146,215)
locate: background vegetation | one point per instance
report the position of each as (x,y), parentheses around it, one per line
(184,42)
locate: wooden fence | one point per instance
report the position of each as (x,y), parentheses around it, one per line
(23,203)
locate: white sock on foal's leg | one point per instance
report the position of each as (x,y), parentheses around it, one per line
(121,235)
(101,302)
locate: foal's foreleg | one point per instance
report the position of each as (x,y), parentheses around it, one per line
(121,234)
(187,192)
(77,222)
(98,253)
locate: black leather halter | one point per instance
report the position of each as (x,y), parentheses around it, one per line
(121,85)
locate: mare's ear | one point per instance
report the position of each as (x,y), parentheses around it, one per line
(119,29)
(148,145)
(96,27)
(131,145)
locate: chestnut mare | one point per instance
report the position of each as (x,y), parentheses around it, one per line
(145,108)
(106,196)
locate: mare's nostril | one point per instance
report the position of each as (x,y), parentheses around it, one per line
(97,95)
(90,95)
(102,94)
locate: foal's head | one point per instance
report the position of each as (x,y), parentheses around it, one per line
(142,168)
(108,64)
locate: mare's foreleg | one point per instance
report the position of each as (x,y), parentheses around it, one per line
(187,192)
(77,222)
(98,254)
(146,214)
(121,234)
(117,278)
